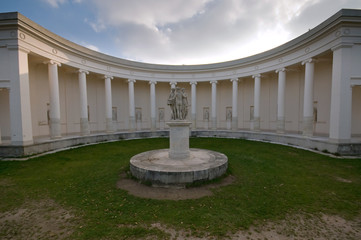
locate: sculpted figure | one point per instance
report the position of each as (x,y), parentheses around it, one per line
(206,115)
(184,104)
(171,103)
(178,103)
(229,114)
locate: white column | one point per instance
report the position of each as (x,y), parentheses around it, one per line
(131,104)
(54,112)
(194,104)
(19,97)
(214,104)
(341,94)
(152,106)
(255,124)
(173,84)
(308,98)
(108,103)
(84,121)
(234,103)
(281,100)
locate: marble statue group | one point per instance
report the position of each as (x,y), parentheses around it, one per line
(178,103)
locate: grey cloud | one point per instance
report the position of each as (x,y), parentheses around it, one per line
(180,31)
(313,15)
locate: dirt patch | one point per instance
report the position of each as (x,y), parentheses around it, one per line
(36,220)
(322,227)
(302,227)
(6,183)
(140,190)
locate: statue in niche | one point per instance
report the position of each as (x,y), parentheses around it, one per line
(161,114)
(178,103)
(206,115)
(138,115)
(229,114)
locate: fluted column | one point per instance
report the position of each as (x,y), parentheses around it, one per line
(194,104)
(341,94)
(173,84)
(54,111)
(131,104)
(255,124)
(281,100)
(234,103)
(152,105)
(19,96)
(214,104)
(308,98)
(108,103)
(84,121)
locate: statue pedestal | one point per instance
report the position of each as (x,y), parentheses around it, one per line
(178,165)
(179,139)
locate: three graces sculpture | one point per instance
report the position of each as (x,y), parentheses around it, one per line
(178,103)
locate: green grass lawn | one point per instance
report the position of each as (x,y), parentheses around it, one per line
(272,181)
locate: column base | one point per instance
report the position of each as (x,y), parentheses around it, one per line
(84,126)
(214,123)
(55,128)
(153,125)
(234,123)
(281,125)
(109,125)
(179,139)
(22,143)
(307,126)
(194,121)
(132,124)
(255,124)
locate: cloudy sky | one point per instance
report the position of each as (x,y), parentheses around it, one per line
(178,31)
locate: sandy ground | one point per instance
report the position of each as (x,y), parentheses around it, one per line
(37,220)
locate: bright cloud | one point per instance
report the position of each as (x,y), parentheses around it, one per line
(90,46)
(151,13)
(181,31)
(202,31)
(55,3)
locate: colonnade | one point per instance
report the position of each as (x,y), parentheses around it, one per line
(340,123)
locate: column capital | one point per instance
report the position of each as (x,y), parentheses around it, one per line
(82,71)
(107,76)
(257,76)
(193,83)
(213,82)
(52,62)
(234,79)
(18,47)
(342,45)
(281,70)
(152,82)
(131,80)
(310,60)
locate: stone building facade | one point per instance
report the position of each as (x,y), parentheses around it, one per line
(55,93)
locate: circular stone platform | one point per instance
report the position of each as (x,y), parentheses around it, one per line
(157,168)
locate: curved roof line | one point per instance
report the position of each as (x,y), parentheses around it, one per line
(348,15)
